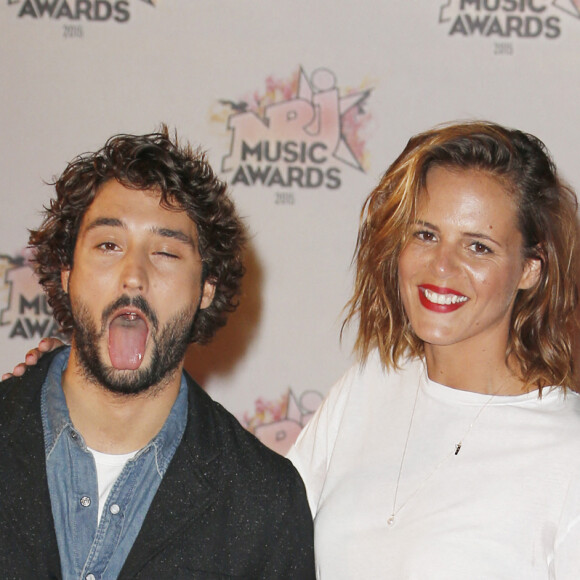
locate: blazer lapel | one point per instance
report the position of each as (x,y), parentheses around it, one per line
(185,492)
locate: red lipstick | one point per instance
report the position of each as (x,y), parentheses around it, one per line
(439,299)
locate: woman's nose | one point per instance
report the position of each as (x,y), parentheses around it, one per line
(445,260)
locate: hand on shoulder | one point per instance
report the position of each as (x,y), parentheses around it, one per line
(33,356)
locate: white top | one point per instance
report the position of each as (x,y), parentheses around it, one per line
(109,468)
(506,507)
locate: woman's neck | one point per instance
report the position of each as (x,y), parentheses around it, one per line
(483,371)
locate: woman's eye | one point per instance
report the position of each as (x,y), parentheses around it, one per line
(425,236)
(480,248)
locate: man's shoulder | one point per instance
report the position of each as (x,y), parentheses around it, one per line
(222,436)
(17,394)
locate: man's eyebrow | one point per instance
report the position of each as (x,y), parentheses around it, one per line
(105,221)
(174,234)
(163,232)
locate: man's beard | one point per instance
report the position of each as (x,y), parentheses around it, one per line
(169,346)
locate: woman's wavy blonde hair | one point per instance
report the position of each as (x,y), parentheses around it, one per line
(542,320)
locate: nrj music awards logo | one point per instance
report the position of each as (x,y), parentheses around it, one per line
(507,19)
(76,11)
(278,423)
(300,133)
(24,311)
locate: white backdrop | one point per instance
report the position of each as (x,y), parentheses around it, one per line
(338,86)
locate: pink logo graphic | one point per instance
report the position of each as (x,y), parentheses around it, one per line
(297,134)
(278,423)
(571,7)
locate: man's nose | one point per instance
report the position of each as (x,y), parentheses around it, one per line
(135,272)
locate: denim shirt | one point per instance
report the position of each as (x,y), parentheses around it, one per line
(89,551)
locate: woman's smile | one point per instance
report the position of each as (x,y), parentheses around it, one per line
(441,299)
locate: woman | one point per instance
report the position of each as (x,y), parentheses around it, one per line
(452,448)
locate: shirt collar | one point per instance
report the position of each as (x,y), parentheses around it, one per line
(56,417)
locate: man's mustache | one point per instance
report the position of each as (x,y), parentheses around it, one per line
(126,301)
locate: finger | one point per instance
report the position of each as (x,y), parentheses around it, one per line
(18,371)
(49,343)
(31,358)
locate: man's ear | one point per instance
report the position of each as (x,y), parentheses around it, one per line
(64,278)
(207,294)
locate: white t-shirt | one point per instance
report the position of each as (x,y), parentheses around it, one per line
(109,468)
(506,507)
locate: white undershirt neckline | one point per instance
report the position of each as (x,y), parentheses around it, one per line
(109,467)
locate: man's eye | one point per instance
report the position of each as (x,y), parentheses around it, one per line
(167,255)
(108,246)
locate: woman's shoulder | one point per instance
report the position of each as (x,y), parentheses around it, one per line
(369,381)
(373,371)
(366,382)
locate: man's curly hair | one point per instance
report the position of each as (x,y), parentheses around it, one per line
(184,179)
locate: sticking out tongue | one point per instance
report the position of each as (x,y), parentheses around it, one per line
(127,339)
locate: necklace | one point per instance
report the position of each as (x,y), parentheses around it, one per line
(392,518)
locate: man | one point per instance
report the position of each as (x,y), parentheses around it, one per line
(113,462)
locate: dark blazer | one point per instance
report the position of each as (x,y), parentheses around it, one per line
(228,507)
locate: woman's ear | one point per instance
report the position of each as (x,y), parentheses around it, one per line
(532,269)
(531,274)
